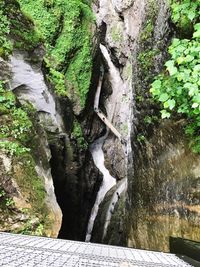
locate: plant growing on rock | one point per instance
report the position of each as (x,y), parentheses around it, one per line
(65,28)
(178,87)
(5,43)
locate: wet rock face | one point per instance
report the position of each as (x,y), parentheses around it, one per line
(24,179)
(165,190)
(73,173)
(76,184)
(163,182)
(122,5)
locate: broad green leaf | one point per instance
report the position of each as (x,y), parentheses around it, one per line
(191,14)
(171,103)
(195,105)
(180,60)
(189,58)
(193,90)
(171,68)
(196,98)
(196,34)
(165,114)
(2,98)
(169,63)
(166,104)
(163,97)
(157,84)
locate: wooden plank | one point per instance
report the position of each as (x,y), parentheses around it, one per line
(107,123)
(99,112)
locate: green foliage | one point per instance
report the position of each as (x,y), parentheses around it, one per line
(147,31)
(34,185)
(15,124)
(5,43)
(14,25)
(65,27)
(185,14)
(78,135)
(58,79)
(141,138)
(150,119)
(178,88)
(5,201)
(116,33)
(145,59)
(2,193)
(13,148)
(9,202)
(32,229)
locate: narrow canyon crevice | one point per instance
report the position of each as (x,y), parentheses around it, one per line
(110,169)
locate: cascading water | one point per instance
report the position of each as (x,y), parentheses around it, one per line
(119,89)
(107,183)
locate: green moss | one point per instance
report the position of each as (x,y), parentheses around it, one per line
(146,59)
(17,139)
(16,27)
(116,34)
(65,27)
(31,185)
(33,190)
(5,43)
(147,53)
(128,71)
(147,31)
(15,124)
(78,135)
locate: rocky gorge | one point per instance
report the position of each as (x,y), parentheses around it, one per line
(68,173)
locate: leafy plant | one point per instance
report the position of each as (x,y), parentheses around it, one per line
(185,13)
(178,87)
(15,124)
(2,193)
(5,43)
(141,138)
(5,200)
(78,135)
(9,202)
(13,148)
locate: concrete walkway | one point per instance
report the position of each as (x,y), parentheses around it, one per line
(29,251)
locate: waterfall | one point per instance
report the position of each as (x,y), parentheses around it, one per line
(107,183)
(116,82)
(112,107)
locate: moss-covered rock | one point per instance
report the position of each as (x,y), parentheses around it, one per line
(27,199)
(65,27)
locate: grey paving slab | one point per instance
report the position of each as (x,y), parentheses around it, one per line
(30,251)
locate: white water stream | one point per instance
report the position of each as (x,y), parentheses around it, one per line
(107,183)
(114,105)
